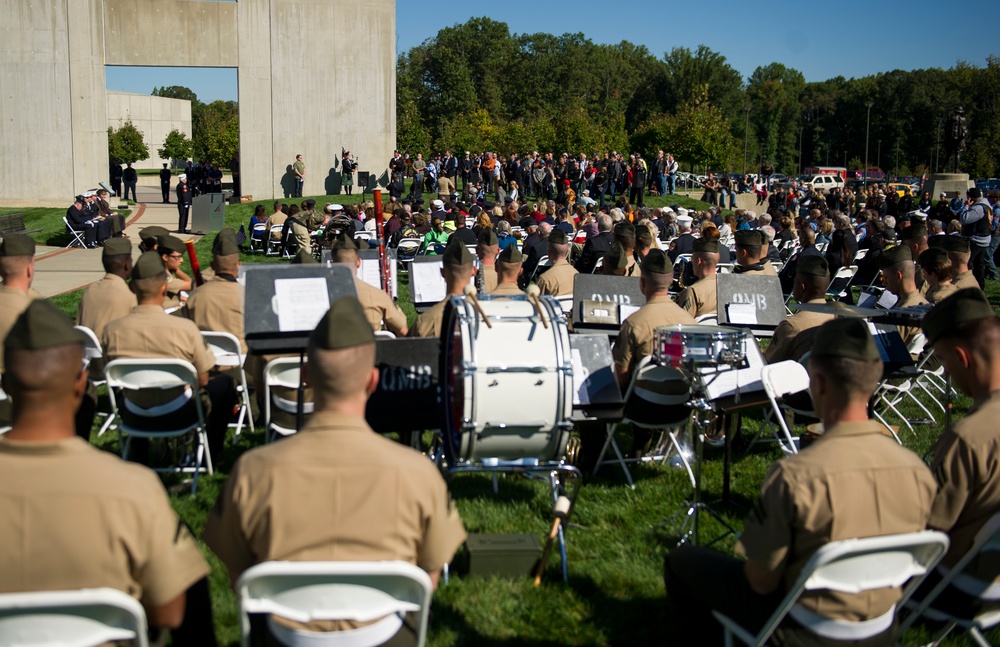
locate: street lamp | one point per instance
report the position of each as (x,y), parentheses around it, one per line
(878,159)
(868,123)
(746,134)
(801,128)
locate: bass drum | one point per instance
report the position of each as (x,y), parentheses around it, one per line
(507,389)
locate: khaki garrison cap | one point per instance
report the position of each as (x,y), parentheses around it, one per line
(657,262)
(456,255)
(149,265)
(152,233)
(847,338)
(511,254)
(950,243)
(961,307)
(932,256)
(558,237)
(343,241)
(17,245)
(344,326)
(117,247)
(41,326)
(812,265)
(225,243)
(625,230)
(750,237)
(617,258)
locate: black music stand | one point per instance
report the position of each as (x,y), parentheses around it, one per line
(614,291)
(758,295)
(286,301)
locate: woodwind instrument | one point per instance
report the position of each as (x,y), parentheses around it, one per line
(383,261)
(195,267)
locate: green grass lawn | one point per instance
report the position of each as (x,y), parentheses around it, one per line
(617,538)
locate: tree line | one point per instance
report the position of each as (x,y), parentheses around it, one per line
(476,86)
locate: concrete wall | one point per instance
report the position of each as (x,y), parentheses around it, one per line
(299,93)
(154,116)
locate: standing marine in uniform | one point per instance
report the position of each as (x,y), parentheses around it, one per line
(898,272)
(702,298)
(76,517)
(487,249)
(457,270)
(508,272)
(171,251)
(217,305)
(299,171)
(558,280)
(965,334)
(165,183)
(149,333)
(854,481)
(377,305)
(183,202)
(336,490)
(751,253)
(794,336)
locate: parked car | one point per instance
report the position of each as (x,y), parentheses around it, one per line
(825,182)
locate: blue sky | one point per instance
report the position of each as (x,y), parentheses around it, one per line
(820,39)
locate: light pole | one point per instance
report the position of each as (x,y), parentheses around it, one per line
(801,128)
(878,158)
(868,123)
(746,134)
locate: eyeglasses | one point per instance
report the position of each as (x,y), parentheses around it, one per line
(175,256)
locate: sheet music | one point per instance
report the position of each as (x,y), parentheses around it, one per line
(300,303)
(369,273)
(581,396)
(887,300)
(625,311)
(742,313)
(427,283)
(724,383)
(867,300)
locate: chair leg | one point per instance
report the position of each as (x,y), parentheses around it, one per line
(676,445)
(979,637)
(203,437)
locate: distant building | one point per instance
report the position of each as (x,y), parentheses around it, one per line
(155,117)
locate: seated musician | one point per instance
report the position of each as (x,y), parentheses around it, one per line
(898,270)
(615,262)
(700,298)
(508,272)
(837,488)
(751,253)
(457,269)
(625,236)
(336,490)
(487,248)
(959,253)
(794,336)
(935,268)
(559,278)
(965,334)
(378,306)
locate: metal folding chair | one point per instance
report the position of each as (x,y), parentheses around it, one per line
(76,236)
(78,617)
(228,355)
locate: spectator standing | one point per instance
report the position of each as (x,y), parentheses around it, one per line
(130,177)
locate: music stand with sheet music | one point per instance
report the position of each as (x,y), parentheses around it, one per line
(602,302)
(751,301)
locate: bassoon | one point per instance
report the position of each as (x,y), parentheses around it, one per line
(195,267)
(385,269)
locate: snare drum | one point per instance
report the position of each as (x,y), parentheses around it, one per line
(507,389)
(695,347)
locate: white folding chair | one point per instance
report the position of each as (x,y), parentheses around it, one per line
(543,263)
(711,319)
(274,242)
(76,236)
(852,566)
(859,255)
(259,238)
(93,352)
(841,281)
(598,265)
(282,373)
(229,355)
(724,268)
(364,235)
(779,380)
(382,592)
(76,618)
(987,541)
(135,375)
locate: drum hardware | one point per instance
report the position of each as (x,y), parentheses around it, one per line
(533,293)
(470,293)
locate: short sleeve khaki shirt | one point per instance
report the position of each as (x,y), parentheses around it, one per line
(635,340)
(12,303)
(794,336)
(701,298)
(558,280)
(103,302)
(217,306)
(379,308)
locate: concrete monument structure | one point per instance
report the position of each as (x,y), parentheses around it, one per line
(297,93)
(155,117)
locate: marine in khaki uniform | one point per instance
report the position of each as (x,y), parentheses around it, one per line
(76,517)
(486,250)
(794,336)
(615,262)
(336,491)
(110,298)
(635,340)
(915,237)
(702,298)
(625,236)
(508,272)
(17,268)
(935,266)
(171,250)
(149,332)
(965,334)
(898,271)
(558,280)
(854,481)
(378,306)
(457,270)
(751,253)
(959,254)
(217,305)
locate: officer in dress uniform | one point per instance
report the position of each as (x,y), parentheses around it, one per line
(487,248)
(959,253)
(751,253)
(794,336)
(336,490)
(183,202)
(508,272)
(76,517)
(701,298)
(217,305)
(149,332)
(457,270)
(377,305)
(171,250)
(898,271)
(965,334)
(854,481)
(559,278)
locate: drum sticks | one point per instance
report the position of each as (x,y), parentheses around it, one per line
(560,514)
(533,293)
(470,293)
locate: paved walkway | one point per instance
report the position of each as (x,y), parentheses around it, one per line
(64,270)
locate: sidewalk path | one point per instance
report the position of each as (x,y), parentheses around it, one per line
(64,270)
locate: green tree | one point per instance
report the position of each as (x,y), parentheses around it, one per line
(698,135)
(176,146)
(217,137)
(776,112)
(689,71)
(126,144)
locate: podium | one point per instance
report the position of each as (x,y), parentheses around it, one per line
(208,213)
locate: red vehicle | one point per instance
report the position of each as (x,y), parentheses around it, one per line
(874,175)
(826,170)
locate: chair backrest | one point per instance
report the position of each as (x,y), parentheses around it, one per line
(225,346)
(408,245)
(80,617)
(359,591)
(68,226)
(91,346)
(135,374)
(363,235)
(783,378)
(284,372)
